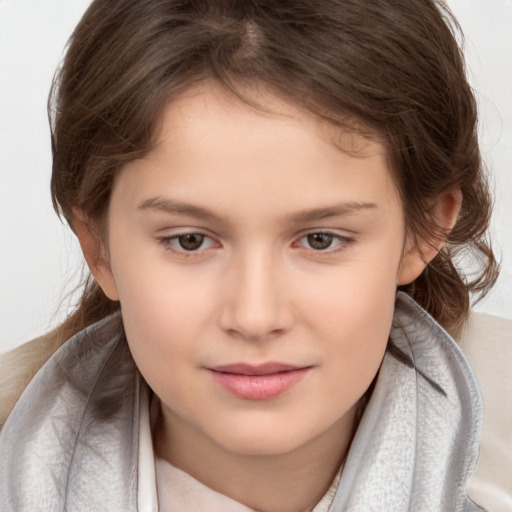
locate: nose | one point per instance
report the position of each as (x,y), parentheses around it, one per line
(256,307)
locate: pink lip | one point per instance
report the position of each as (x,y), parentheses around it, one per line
(260,382)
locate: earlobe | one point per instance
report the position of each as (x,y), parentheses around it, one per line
(95,254)
(414,260)
(420,251)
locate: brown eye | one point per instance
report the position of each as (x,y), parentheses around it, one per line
(191,241)
(320,241)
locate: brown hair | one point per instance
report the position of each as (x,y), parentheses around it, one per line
(391,68)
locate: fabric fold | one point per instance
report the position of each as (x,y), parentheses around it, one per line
(71,441)
(417,442)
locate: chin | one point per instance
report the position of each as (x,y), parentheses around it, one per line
(259,446)
(259,439)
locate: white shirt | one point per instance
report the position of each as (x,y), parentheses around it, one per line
(180,492)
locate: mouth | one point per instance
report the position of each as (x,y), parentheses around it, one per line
(258,382)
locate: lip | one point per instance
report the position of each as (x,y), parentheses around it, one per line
(258,382)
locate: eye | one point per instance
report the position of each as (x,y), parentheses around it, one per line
(323,241)
(187,242)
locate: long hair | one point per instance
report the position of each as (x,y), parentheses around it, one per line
(389,69)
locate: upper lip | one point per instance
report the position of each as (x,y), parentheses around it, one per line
(259,369)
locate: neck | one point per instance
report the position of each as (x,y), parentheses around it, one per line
(286,482)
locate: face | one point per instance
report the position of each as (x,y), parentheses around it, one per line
(256,265)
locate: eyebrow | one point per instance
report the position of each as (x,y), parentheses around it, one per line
(315,214)
(175,207)
(198,212)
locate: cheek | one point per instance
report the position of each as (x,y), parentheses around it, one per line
(164,310)
(160,309)
(359,330)
(164,331)
(357,296)
(358,336)
(352,314)
(153,289)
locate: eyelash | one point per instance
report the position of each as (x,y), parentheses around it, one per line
(340,243)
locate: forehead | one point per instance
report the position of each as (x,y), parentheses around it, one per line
(202,103)
(214,148)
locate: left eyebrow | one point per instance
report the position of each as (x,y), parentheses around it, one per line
(316,214)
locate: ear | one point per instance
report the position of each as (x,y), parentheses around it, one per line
(419,252)
(95,254)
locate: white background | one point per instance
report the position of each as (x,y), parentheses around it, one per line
(40,262)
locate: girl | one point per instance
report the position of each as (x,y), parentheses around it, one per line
(272,198)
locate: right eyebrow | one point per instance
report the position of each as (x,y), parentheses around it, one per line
(178,208)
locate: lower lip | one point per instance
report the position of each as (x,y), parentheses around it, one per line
(259,387)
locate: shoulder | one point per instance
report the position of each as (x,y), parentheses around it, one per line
(18,366)
(487,343)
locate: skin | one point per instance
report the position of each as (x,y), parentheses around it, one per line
(256,290)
